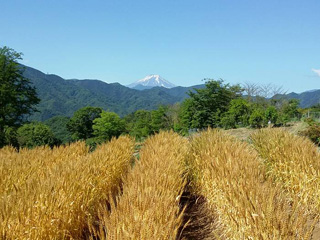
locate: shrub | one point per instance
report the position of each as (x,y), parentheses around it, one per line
(35,134)
(108,125)
(80,125)
(271,115)
(313,133)
(256,119)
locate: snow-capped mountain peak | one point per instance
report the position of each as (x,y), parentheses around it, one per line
(150,81)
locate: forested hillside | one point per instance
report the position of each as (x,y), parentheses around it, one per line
(307,99)
(63,97)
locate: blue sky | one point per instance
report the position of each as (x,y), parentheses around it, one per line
(184,41)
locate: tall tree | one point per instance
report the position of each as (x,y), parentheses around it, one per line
(80,125)
(107,126)
(138,124)
(58,125)
(207,105)
(160,119)
(17,95)
(237,115)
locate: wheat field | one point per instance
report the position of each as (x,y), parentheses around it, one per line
(267,188)
(292,161)
(53,194)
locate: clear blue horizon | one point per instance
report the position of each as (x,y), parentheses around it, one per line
(185,41)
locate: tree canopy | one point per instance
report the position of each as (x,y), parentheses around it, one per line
(58,125)
(205,106)
(80,125)
(108,125)
(138,124)
(35,134)
(17,95)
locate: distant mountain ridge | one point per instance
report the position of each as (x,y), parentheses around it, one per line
(307,99)
(63,97)
(151,81)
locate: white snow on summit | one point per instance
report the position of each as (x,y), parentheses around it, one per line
(152,80)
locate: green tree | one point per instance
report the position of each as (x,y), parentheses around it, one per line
(80,125)
(11,139)
(160,119)
(312,131)
(17,95)
(108,125)
(256,119)
(271,114)
(288,111)
(237,115)
(58,125)
(138,124)
(173,114)
(185,116)
(206,106)
(291,108)
(35,134)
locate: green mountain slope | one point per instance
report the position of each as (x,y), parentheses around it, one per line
(63,97)
(307,99)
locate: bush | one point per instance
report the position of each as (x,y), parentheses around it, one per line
(228,121)
(35,134)
(107,126)
(11,137)
(271,115)
(313,131)
(80,125)
(256,119)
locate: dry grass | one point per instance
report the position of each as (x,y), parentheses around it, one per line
(246,204)
(294,162)
(53,194)
(149,206)
(244,133)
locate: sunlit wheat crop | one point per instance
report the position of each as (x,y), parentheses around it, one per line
(294,162)
(149,206)
(245,204)
(53,194)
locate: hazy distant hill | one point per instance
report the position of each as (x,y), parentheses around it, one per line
(63,97)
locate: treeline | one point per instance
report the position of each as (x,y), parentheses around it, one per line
(218,105)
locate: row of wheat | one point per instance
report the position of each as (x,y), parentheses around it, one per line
(292,161)
(54,194)
(245,203)
(149,206)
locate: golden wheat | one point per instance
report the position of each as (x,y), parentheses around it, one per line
(246,205)
(53,194)
(149,206)
(293,161)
